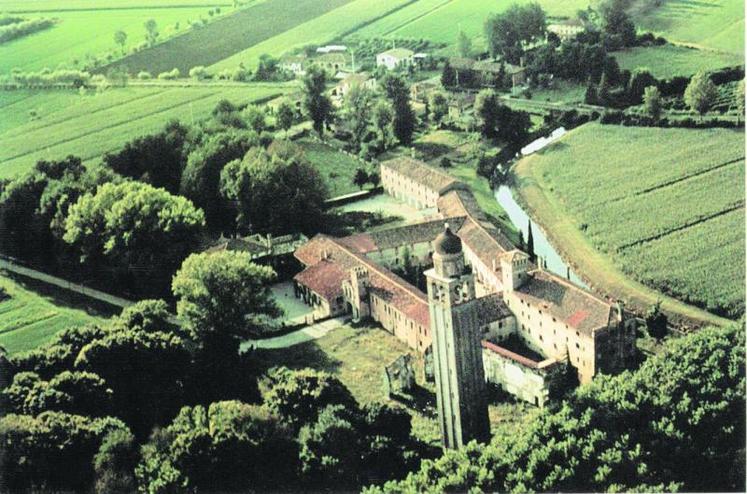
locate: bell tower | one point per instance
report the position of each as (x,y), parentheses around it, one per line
(457,351)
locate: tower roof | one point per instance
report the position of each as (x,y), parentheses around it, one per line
(447,243)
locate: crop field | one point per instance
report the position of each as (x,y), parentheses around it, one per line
(669,60)
(89,126)
(28,318)
(715,24)
(58,5)
(442,21)
(673,218)
(89,33)
(225,37)
(334,24)
(337,168)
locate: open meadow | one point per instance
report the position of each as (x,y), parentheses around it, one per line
(672,218)
(90,125)
(32,316)
(669,60)
(86,30)
(714,24)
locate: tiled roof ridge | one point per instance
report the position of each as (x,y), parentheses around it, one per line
(385,273)
(479,225)
(559,279)
(425,165)
(508,353)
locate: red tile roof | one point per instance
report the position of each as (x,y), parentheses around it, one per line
(567,302)
(408,299)
(324,278)
(423,174)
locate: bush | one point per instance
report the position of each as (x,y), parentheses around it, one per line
(199,72)
(169,76)
(144,75)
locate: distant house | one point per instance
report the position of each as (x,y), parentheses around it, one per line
(474,73)
(263,249)
(396,57)
(333,62)
(567,29)
(295,64)
(350,81)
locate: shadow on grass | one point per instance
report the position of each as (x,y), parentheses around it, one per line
(419,399)
(64,298)
(307,354)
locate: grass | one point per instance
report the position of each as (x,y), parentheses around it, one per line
(89,33)
(332,25)
(669,60)
(33,315)
(357,356)
(229,35)
(714,24)
(669,220)
(561,92)
(337,168)
(441,20)
(11,6)
(89,126)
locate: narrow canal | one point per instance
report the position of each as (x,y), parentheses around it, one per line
(542,246)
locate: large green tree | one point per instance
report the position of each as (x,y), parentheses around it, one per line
(506,31)
(701,93)
(223,297)
(398,93)
(200,181)
(317,104)
(277,191)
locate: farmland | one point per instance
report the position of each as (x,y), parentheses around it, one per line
(225,37)
(336,23)
(668,60)
(442,21)
(692,247)
(28,318)
(84,34)
(714,24)
(89,126)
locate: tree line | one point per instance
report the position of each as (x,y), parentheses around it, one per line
(141,404)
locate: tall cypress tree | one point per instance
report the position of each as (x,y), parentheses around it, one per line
(530,243)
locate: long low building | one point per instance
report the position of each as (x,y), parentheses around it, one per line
(550,316)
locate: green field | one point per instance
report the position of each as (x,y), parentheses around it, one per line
(669,60)
(441,21)
(232,34)
(337,168)
(334,24)
(84,33)
(673,218)
(715,24)
(89,126)
(28,319)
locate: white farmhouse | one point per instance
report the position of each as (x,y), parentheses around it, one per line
(395,57)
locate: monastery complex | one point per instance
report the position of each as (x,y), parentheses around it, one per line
(512,301)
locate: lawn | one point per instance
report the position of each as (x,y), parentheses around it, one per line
(337,168)
(31,316)
(89,33)
(671,219)
(358,356)
(325,28)
(714,24)
(668,60)
(90,125)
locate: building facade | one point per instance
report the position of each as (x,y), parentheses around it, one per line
(396,57)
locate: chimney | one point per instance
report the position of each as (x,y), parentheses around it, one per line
(495,265)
